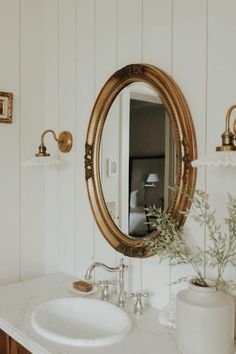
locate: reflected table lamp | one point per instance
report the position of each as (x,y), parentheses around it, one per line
(151,182)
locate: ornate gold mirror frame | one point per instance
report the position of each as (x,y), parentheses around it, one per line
(186,150)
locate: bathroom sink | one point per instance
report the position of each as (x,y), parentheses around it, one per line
(81,322)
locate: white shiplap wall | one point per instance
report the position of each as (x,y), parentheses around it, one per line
(86,41)
(57,55)
(21,189)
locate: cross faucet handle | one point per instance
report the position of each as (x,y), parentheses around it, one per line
(105,291)
(138,307)
(122,265)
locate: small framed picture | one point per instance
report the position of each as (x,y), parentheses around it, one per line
(6,102)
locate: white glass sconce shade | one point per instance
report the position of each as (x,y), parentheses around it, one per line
(42,157)
(225,154)
(42,161)
(217,159)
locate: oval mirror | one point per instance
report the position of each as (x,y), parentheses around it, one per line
(140,141)
(137,158)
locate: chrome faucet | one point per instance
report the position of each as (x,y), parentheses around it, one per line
(120,268)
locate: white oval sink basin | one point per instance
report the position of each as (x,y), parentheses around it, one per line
(81,322)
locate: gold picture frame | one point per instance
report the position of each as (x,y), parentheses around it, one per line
(6,103)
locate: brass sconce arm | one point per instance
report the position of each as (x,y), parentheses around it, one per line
(64,140)
(228,137)
(48,131)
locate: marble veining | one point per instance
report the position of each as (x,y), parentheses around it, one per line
(18,301)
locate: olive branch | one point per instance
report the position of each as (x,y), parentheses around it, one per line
(171,243)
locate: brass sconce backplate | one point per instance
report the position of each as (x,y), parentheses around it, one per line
(65,141)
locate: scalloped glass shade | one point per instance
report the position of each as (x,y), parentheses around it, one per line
(41,161)
(217,159)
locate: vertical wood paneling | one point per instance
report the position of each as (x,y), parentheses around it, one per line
(9,145)
(189,71)
(129,36)
(189,62)
(105,41)
(66,115)
(51,211)
(105,54)
(157,33)
(152,31)
(221,93)
(85,98)
(157,36)
(21,189)
(129,50)
(73,56)
(32,123)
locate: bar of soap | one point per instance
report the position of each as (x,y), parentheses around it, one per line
(82,286)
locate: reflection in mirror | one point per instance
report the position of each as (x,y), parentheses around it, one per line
(137,158)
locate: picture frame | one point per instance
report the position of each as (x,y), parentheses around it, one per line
(6,105)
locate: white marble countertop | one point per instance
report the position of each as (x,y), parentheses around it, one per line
(18,301)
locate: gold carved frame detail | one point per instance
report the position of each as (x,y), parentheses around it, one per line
(186,150)
(6,105)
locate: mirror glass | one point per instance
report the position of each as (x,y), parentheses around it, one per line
(137,158)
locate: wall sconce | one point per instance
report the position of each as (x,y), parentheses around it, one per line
(152,180)
(225,154)
(42,157)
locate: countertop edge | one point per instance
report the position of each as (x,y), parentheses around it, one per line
(21,338)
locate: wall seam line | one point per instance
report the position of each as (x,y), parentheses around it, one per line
(75,138)
(94,83)
(206,126)
(142,55)
(58,125)
(116,64)
(172,74)
(20,141)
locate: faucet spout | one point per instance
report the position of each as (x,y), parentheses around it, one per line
(102,265)
(120,269)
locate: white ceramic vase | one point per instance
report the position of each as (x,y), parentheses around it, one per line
(204,321)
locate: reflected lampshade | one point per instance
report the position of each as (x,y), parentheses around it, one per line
(152,180)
